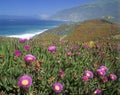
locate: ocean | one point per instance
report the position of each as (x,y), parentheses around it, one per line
(26,28)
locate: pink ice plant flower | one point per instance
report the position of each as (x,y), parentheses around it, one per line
(73,47)
(104,79)
(117,48)
(88,73)
(69,53)
(101,52)
(101,72)
(17,53)
(25,81)
(113,77)
(61,73)
(85,78)
(78,53)
(52,48)
(27,47)
(86,47)
(57,87)
(22,40)
(29,58)
(98,47)
(97,92)
(104,68)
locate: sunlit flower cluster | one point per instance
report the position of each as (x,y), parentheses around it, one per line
(102,71)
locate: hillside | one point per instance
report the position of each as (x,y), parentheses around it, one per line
(108,9)
(96,29)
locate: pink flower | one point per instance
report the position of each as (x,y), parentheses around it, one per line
(104,68)
(85,78)
(52,48)
(69,54)
(73,47)
(104,79)
(61,73)
(29,58)
(117,48)
(88,73)
(86,47)
(98,47)
(27,47)
(97,92)
(22,40)
(101,52)
(78,53)
(17,53)
(113,77)
(101,72)
(25,81)
(57,87)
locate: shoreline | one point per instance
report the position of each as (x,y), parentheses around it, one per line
(27,35)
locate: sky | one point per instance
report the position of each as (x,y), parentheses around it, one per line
(37,7)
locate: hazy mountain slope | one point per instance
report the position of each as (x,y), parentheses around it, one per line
(95,29)
(62,30)
(109,9)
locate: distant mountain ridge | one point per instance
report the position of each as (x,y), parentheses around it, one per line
(108,9)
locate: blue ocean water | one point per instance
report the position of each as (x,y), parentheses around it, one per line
(26,28)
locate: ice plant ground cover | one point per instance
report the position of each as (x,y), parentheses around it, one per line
(87,71)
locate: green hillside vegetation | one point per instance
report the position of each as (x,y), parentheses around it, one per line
(45,39)
(55,34)
(62,30)
(94,30)
(91,30)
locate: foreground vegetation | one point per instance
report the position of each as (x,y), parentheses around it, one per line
(27,68)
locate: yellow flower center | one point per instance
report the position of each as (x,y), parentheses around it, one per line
(112,77)
(102,69)
(101,73)
(57,88)
(29,58)
(25,82)
(95,92)
(88,74)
